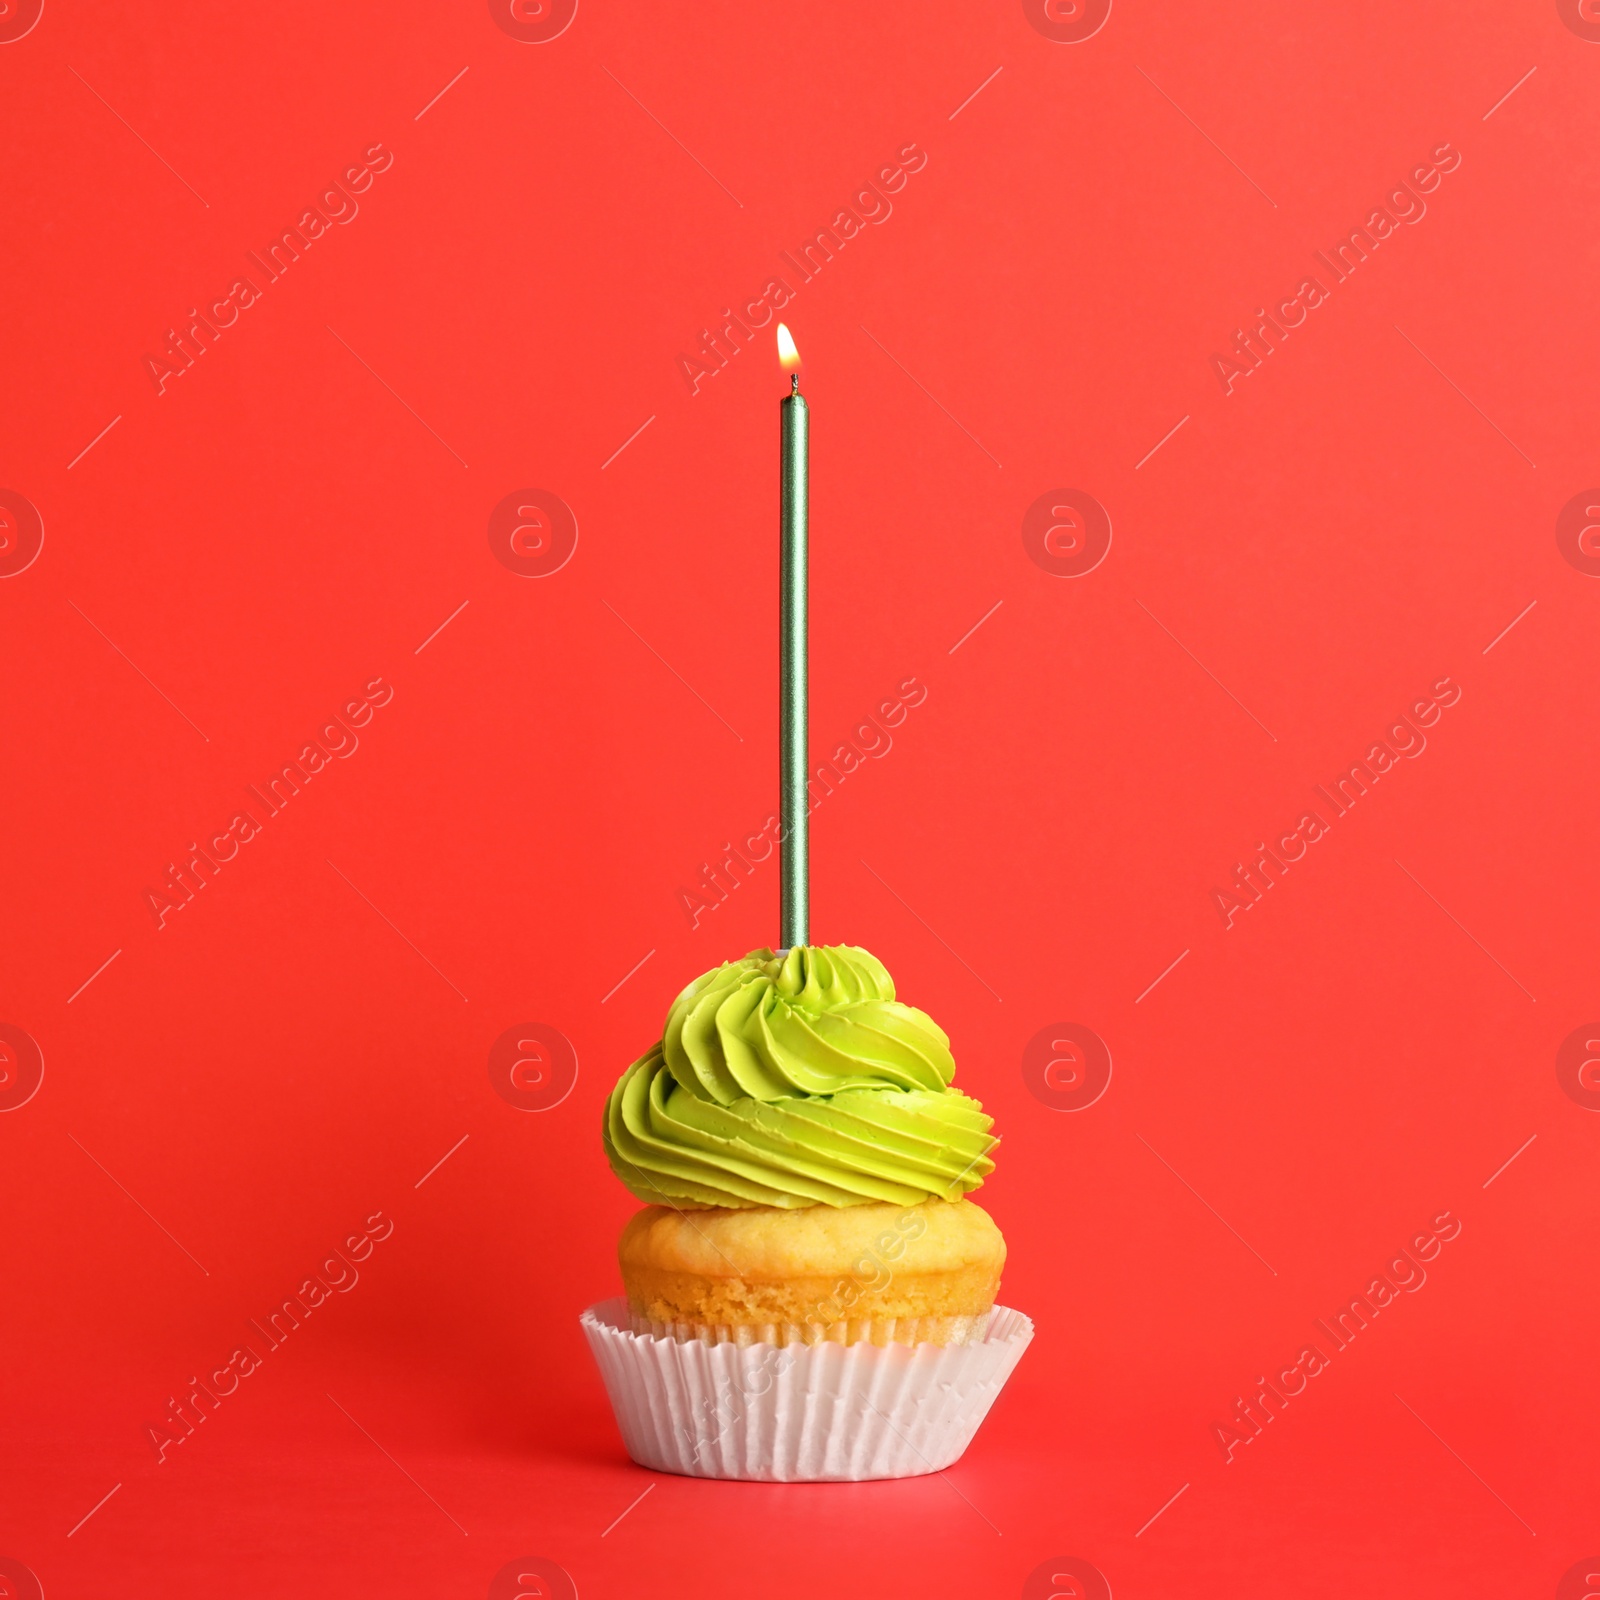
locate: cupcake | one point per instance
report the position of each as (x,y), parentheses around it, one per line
(805,1164)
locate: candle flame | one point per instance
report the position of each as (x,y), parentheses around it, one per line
(788,355)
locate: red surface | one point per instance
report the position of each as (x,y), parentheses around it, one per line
(298,513)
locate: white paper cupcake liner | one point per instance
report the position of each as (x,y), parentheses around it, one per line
(799,1413)
(857,1330)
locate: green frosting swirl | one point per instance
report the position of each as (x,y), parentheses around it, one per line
(796,1080)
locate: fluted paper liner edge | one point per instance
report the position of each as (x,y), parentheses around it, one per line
(807,1413)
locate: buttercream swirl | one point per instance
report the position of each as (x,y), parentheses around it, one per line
(796,1080)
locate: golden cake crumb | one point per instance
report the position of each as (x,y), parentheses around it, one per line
(936,1264)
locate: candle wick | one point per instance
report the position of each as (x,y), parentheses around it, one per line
(794,383)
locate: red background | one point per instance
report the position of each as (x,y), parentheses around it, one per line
(299,513)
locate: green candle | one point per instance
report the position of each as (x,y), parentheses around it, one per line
(794,494)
